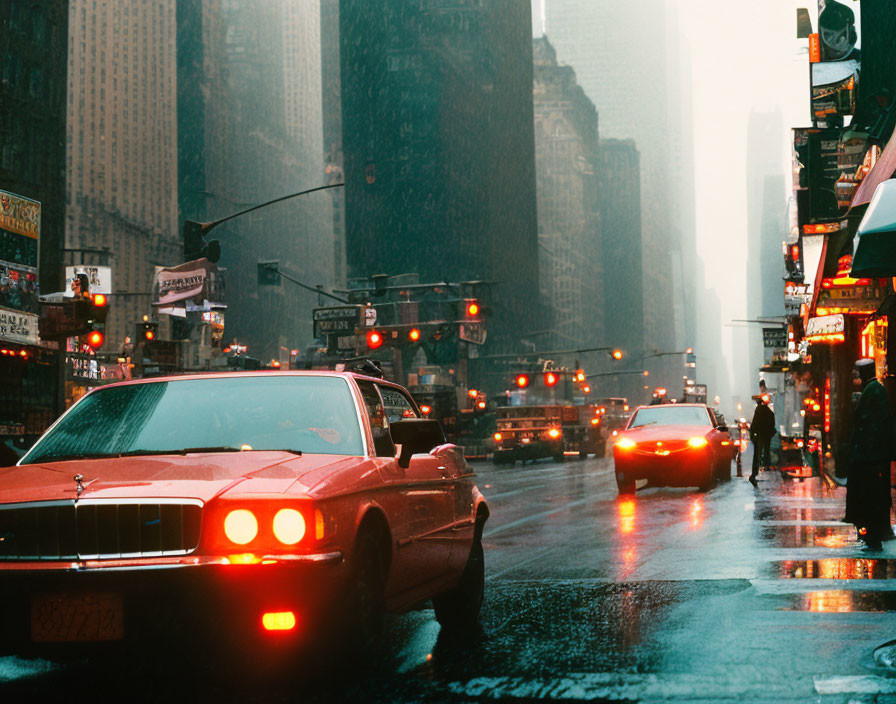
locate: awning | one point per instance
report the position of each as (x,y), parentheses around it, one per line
(875,245)
(880,172)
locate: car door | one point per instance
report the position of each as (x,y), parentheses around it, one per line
(415,498)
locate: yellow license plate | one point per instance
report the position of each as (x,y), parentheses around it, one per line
(76,618)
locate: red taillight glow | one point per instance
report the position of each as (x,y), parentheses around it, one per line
(278,620)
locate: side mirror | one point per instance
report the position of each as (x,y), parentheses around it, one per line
(416,435)
(723,428)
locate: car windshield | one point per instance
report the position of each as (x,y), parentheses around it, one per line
(671,415)
(308,414)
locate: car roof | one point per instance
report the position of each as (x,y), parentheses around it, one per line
(253,373)
(674,405)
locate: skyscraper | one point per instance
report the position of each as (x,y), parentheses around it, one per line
(439,147)
(567,168)
(621,53)
(250,132)
(122,149)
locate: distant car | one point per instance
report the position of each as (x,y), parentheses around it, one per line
(672,445)
(255,509)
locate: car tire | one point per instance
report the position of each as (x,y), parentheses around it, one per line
(457,610)
(368,590)
(625,486)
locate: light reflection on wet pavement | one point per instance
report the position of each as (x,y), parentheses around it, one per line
(737,594)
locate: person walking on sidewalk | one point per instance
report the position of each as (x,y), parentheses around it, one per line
(868,498)
(762,428)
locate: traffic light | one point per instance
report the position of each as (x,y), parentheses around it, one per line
(414,335)
(147,330)
(374,339)
(522,380)
(617,354)
(471,309)
(580,375)
(195,246)
(551,378)
(96,321)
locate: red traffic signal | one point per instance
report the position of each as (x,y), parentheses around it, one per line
(522,380)
(99,300)
(374,339)
(95,339)
(551,378)
(472,308)
(414,334)
(425,410)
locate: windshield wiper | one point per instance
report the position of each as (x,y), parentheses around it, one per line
(197,450)
(75,456)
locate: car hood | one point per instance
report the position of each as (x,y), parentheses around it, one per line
(200,476)
(665,433)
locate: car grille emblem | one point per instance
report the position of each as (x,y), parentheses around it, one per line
(79,478)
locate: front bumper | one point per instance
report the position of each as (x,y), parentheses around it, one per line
(182,602)
(683,468)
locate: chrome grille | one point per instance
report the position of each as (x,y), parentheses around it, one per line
(98,529)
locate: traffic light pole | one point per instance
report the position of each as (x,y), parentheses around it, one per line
(194,232)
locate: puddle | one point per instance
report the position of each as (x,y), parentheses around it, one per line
(803,536)
(836,568)
(842,601)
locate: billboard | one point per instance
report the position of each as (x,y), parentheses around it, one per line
(19,288)
(99,278)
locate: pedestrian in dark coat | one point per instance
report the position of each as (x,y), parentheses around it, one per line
(762,428)
(868,498)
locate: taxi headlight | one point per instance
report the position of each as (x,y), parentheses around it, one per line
(697,442)
(289,526)
(240,526)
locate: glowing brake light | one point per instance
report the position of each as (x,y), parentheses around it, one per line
(241,526)
(278,621)
(697,442)
(625,443)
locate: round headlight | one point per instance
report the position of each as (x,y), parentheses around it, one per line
(289,526)
(240,526)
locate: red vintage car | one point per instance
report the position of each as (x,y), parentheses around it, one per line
(252,509)
(681,444)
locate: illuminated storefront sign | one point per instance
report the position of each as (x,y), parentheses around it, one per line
(826,328)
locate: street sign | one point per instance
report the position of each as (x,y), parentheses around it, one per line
(774,338)
(338,320)
(472,332)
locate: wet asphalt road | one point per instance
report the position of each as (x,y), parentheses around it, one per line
(738,594)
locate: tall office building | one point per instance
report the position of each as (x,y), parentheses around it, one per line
(250,131)
(567,168)
(622,256)
(621,53)
(33,88)
(122,149)
(439,148)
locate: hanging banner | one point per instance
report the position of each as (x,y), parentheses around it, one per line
(18,327)
(199,282)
